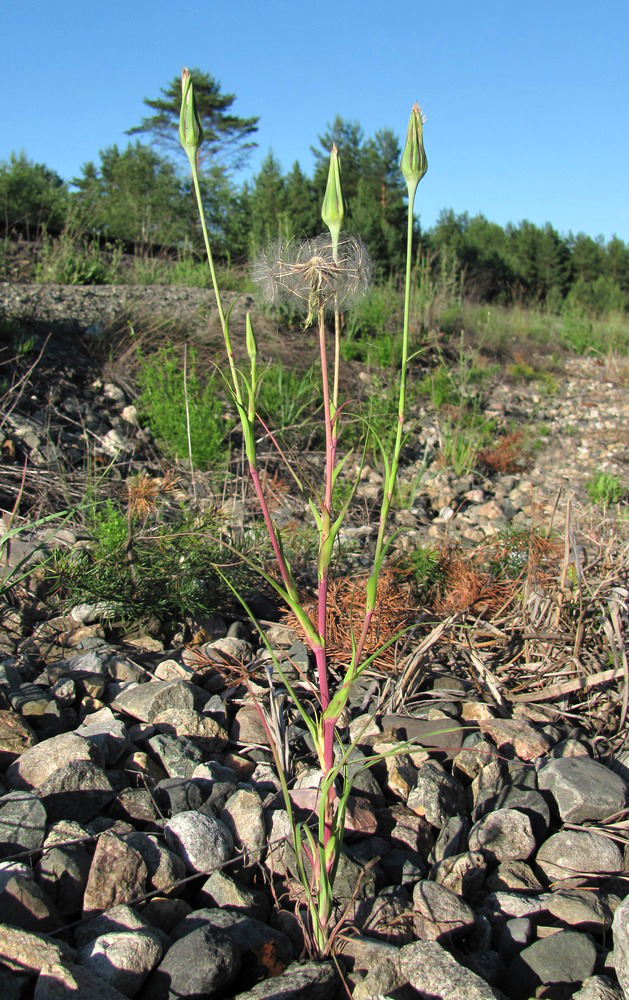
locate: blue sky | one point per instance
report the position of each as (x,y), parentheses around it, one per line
(526,102)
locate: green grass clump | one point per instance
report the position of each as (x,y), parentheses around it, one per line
(425,564)
(605,489)
(286,398)
(162,406)
(148,568)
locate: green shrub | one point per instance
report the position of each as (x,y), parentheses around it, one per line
(162,405)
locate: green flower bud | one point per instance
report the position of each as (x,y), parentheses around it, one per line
(250,340)
(414,163)
(332,210)
(190,130)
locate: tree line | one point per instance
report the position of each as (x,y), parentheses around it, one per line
(141,195)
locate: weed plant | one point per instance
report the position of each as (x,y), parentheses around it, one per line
(146,566)
(76,259)
(322,277)
(605,488)
(162,404)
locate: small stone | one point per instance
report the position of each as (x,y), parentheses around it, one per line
(437,795)
(583,789)
(203,842)
(561,960)
(504,835)
(148,700)
(528,742)
(69,982)
(302,981)
(570,855)
(620,931)
(247,728)
(440,915)
(16,736)
(463,874)
(22,823)
(515,935)
(26,951)
(227,893)
(117,874)
(178,756)
(164,867)
(204,963)
(434,973)
(35,765)
(599,988)
(243,815)
(63,874)
(123,960)
(171,670)
(79,789)
(586,910)
(117,919)
(513,904)
(23,903)
(515,876)
(201,728)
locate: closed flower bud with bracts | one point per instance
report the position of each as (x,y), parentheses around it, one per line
(333,210)
(190,130)
(313,273)
(414,163)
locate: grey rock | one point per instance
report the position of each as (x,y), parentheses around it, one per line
(23,903)
(462,874)
(620,930)
(583,789)
(27,951)
(452,839)
(225,892)
(504,835)
(561,960)
(203,963)
(203,842)
(310,980)
(258,942)
(440,915)
(67,981)
(178,756)
(35,765)
(22,822)
(437,795)
(62,873)
(175,795)
(515,935)
(119,919)
(108,734)
(567,854)
(148,700)
(599,988)
(122,959)
(79,789)
(164,867)
(586,910)
(203,730)
(117,874)
(434,973)
(243,815)
(529,801)
(513,876)
(513,904)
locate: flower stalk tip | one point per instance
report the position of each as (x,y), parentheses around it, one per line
(414,163)
(332,210)
(190,129)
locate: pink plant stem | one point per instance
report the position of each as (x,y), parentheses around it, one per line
(320,655)
(270,527)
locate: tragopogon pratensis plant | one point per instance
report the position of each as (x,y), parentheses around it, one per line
(323,275)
